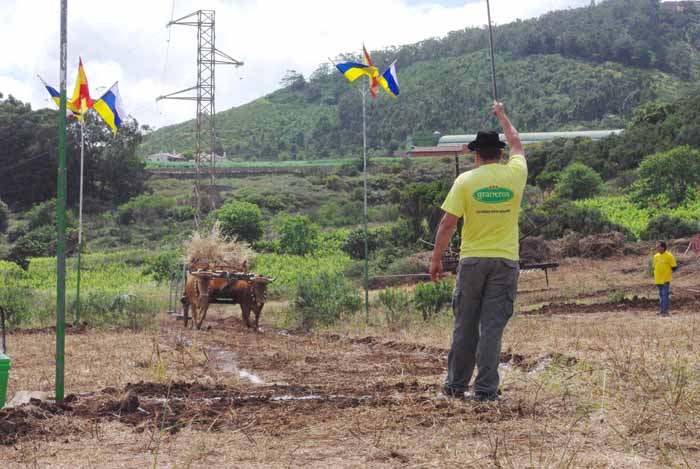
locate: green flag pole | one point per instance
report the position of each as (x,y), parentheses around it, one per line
(61,215)
(364,165)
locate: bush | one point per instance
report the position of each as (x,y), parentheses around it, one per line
(241,219)
(40,242)
(4,217)
(578,181)
(669,227)
(432,298)
(145,208)
(163,266)
(668,178)
(406,266)
(102,308)
(298,235)
(336,213)
(15,300)
(354,245)
(396,305)
(323,298)
(557,218)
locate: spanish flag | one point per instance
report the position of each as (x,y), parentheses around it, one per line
(353,70)
(111,108)
(81,101)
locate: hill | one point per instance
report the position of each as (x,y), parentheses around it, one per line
(586,67)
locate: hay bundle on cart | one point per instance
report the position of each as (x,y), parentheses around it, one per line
(215,252)
(218,273)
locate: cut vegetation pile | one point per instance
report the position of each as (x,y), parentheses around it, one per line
(599,246)
(214,250)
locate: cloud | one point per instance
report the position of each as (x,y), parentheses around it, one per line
(129,42)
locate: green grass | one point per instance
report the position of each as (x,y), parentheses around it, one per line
(114,291)
(622,211)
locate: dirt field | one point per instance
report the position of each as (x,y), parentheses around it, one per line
(591,377)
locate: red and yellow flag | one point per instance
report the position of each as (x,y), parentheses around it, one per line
(81,101)
(374,81)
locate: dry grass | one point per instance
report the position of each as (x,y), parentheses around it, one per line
(214,250)
(630,398)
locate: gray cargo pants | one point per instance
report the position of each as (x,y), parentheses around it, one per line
(483,304)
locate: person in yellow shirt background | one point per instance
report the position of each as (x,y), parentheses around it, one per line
(664,266)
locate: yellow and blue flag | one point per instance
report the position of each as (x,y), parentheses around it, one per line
(56,97)
(111,108)
(354,70)
(390,80)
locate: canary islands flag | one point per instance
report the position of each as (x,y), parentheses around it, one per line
(390,80)
(353,70)
(110,108)
(56,97)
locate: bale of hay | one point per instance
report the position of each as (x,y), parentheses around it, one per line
(214,251)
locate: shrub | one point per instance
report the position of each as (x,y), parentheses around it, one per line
(334,182)
(354,245)
(406,266)
(15,299)
(556,218)
(145,208)
(396,305)
(432,298)
(102,308)
(4,217)
(323,298)
(40,242)
(163,266)
(241,219)
(669,227)
(668,178)
(336,213)
(578,181)
(298,235)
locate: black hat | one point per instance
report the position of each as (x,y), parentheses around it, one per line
(486,138)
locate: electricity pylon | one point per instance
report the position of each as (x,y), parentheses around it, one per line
(208,56)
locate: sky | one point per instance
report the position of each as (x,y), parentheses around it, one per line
(128,41)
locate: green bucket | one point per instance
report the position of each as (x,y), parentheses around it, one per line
(4,375)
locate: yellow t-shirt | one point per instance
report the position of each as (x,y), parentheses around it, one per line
(489,199)
(663,265)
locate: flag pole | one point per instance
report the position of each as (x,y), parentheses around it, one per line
(61,214)
(493,59)
(80,215)
(364,165)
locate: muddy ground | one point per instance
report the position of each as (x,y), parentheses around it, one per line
(591,377)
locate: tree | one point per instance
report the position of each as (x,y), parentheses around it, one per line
(298,235)
(578,181)
(668,178)
(241,219)
(113,171)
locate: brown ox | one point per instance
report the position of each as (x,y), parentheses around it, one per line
(202,289)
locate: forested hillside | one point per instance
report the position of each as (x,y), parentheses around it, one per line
(587,67)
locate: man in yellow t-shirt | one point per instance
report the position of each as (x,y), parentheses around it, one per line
(664,265)
(488,198)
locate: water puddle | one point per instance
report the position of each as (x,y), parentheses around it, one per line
(225,361)
(250,377)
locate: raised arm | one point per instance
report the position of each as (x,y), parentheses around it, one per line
(516,146)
